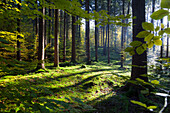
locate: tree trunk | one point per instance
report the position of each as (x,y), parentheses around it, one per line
(122,38)
(167,50)
(139,62)
(88,34)
(45,34)
(41,52)
(152,21)
(96,35)
(49,27)
(18,37)
(56,40)
(64,36)
(73,58)
(161,52)
(109,2)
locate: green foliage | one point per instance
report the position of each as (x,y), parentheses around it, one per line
(159,14)
(165,3)
(148,26)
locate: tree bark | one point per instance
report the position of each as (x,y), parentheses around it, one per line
(167,50)
(88,34)
(41,52)
(18,37)
(122,37)
(64,36)
(56,40)
(96,35)
(109,2)
(73,58)
(139,62)
(161,52)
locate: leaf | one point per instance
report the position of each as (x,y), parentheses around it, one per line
(156,37)
(161,32)
(168,17)
(138,103)
(157,28)
(151,107)
(135,43)
(143,34)
(149,37)
(167,30)
(165,4)
(150,44)
(159,14)
(144,46)
(155,82)
(148,26)
(140,50)
(132,53)
(162,26)
(128,49)
(158,42)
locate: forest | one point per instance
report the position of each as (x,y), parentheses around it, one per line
(84,56)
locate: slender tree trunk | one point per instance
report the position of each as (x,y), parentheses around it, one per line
(101,37)
(161,52)
(167,50)
(45,34)
(61,19)
(18,37)
(96,35)
(88,34)
(64,36)
(152,21)
(73,58)
(109,2)
(41,52)
(122,38)
(49,27)
(56,40)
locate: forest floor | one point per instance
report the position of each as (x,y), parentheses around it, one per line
(73,89)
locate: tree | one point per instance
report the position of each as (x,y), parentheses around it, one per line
(56,42)
(64,36)
(88,34)
(167,50)
(41,52)
(18,37)
(73,58)
(96,34)
(109,2)
(122,36)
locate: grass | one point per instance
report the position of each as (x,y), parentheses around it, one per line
(72,89)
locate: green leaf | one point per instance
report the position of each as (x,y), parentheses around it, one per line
(158,42)
(135,43)
(140,50)
(151,107)
(159,14)
(144,46)
(162,26)
(165,4)
(132,53)
(148,26)
(143,34)
(167,30)
(168,17)
(155,82)
(149,37)
(156,37)
(150,44)
(157,28)
(161,32)
(128,49)
(138,103)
